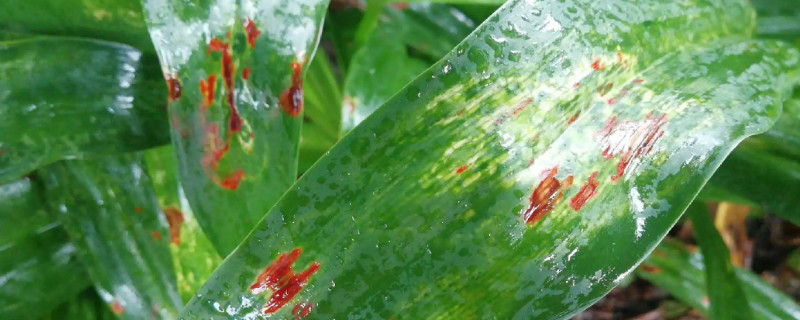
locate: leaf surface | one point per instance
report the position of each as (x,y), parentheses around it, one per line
(234,69)
(110,212)
(492,187)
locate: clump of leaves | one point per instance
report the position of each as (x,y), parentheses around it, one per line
(463,161)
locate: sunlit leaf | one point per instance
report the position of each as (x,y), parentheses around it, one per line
(234,69)
(109,210)
(522,176)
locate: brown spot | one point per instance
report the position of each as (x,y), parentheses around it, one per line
(604,89)
(116,308)
(650,268)
(631,140)
(597,66)
(232,181)
(521,106)
(302,310)
(216,45)
(246,73)
(462,169)
(544,197)
(586,192)
(399,5)
(138,209)
(576,85)
(574,117)
(175,220)
(639,80)
(156,235)
(291,99)
(174,87)
(279,277)
(252,32)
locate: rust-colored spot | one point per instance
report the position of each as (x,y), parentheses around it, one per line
(214,147)
(596,65)
(174,87)
(543,198)
(631,140)
(156,235)
(302,310)
(216,45)
(399,5)
(117,308)
(279,277)
(521,106)
(576,85)
(246,73)
(292,98)
(252,32)
(207,90)
(574,117)
(586,192)
(650,268)
(604,89)
(639,80)
(232,181)
(138,209)
(462,169)
(175,220)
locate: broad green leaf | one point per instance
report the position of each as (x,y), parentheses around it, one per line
(432,29)
(113,20)
(192,253)
(109,210)
(726,297)
(778,19)
(38,266)
(234,69)
(377,71)
(84,306)
(322,117)
(420,212)
(678,270)
(62,98)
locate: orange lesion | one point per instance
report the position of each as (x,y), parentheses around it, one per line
(586,192)
(545,197)
(285,284)
(631,140)
(175,220)
(291,99)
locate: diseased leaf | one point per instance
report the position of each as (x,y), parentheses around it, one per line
(234,70)
(192,253)
(38,266)
(726,297)
(113,20)
(109,210)
(679,270)
(62,98)
(492,187)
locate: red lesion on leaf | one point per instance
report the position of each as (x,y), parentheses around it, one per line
(631,140)
(573,118)
(232,181)
(279,277)
(216,45)
(175,220)
(246,73)
(138,209)
(252,32)
(586,192)
(521,106)
(650,268)
(302,310)
(117,308)
(207,88)
(174,87)
(604,89)
(291,99)
(461,169)
(546,195)
(156,235)
(597,65)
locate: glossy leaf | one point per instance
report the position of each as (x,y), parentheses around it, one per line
(192,253)
(430,28)
(726,297)
(38,266)
(108,208)
(420,212)
(679,270)
(322,117)
(113,20)
(234,69)
(62,98)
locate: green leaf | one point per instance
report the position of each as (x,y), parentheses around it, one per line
(113,20)
(726,296)
(322,118)
(110,212)
(38,266)
(679,271)
(85,306)
(431,29)
(192,253)
(422,209)
(62,98)
(235,72)
(778,19)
